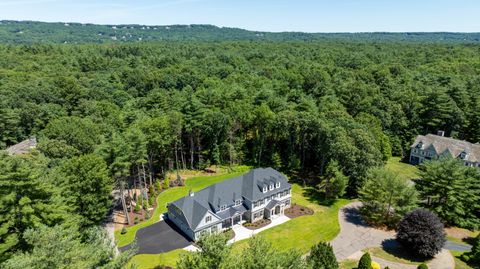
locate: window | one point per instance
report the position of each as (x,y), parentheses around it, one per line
(223,207)
(214,229)
(264,189)
(271,186)
(277,185)
(287,202)
(208,219)
(261,202)
(238,202)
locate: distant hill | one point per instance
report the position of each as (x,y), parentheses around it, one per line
(28,32)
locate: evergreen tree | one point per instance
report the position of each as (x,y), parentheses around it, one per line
(322,257)
(365,261)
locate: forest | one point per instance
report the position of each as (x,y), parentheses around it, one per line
(110,115)
(32,32)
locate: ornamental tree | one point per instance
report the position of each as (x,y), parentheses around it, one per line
(421,232)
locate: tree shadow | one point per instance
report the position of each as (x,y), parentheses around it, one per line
(315,196)
(352,215)
(392,247)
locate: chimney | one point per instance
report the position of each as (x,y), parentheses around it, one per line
(440,133)
(190,193)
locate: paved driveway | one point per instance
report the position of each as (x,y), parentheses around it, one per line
(355,236)
(158,238)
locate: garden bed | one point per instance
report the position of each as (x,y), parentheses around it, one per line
(295,211)
(257,224)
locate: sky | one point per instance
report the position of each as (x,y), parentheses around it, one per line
(261,15)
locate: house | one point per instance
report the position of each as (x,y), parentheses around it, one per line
(430,147)
(22,147)
(260,193)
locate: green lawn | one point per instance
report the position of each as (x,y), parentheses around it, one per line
(300,233)
(403,170)
(148,261)
(396,254)
(348,264)
(459,264)
(169,195)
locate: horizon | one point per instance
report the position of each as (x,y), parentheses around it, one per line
(345,16)
(217,26)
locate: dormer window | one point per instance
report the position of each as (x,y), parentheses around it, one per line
(271,186)
(419,145)
(238,202)
(223,207)
(264,189)
(463,155)
(277,185)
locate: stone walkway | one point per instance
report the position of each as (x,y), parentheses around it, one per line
(356,235)
(242,233)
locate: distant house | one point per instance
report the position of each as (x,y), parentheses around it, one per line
(260,193)
(22,147)
(432,146)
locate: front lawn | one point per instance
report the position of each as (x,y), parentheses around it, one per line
(403,170)
(300,233)
(172,194)
(396,254)
(459,264)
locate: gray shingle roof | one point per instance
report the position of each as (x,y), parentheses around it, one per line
(248,186)
(442,144)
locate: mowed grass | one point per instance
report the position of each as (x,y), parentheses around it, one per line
(172,194)
(403,170)
(148,261)
(300,233)
(459,264)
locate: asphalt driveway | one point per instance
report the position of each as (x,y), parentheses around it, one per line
(159,237)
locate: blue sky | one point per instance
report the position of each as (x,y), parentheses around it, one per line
(264,15)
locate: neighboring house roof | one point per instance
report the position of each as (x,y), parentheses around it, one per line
(443,145)
(22,147)
(248,186)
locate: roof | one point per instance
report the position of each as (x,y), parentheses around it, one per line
(443,145)
(247,186)
(271,204)
(23,147)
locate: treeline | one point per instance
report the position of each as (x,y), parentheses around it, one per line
(31,32)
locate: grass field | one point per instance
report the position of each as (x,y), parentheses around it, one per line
(397,254)
(300,233)
(459,264)
(172,194)
(403,170)
(348,264)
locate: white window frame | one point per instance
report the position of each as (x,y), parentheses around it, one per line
(271,186)
(277,185)
(238,202)
(223,207)
(264,189)
(208,218)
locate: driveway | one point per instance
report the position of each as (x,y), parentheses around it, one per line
(355,235)
(159,237)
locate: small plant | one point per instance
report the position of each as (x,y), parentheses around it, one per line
(166,183)
(147,215)
(365,261)
(137,208)
(124,230)
(422,266)
(375,265)
(151,200)
(158,186)
(135,220)
(151,191)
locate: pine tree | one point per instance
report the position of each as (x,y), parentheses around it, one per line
(322,256)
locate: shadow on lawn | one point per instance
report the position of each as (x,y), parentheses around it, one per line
(392,247)
(315,196)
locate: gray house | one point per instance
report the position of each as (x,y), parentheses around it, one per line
(260,193)
(431,147)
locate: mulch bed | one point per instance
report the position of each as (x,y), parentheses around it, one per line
(257,224)
(295,211)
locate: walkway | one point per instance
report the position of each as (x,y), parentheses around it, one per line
(356,235)
(242,233)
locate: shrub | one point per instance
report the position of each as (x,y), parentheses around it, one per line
(124,230)
(151,200)
(151,191)
(322,256)
(422,266)
(375,265)
(474,254)
(421,232)
(166,183)
(365,262)
(135,220)
(147,215)
(158,186)
(137,208)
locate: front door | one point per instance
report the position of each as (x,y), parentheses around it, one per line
(277,210)
(237,219)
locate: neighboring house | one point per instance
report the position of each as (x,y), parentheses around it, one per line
(22,147)
(260,193)
(430,147)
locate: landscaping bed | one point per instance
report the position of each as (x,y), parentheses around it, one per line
(295,211)
(257,224)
